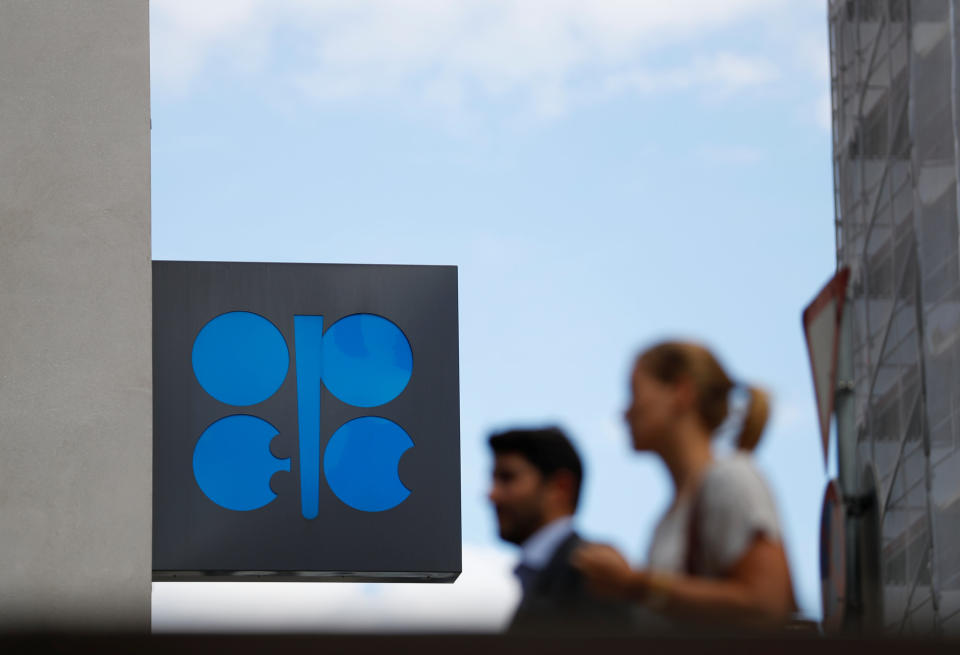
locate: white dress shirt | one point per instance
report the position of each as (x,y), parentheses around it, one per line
(537,550)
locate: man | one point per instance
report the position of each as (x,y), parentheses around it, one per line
(537,476)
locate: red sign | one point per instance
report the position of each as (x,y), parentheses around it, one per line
(821,325)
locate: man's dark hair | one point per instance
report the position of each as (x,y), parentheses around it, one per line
(548,449)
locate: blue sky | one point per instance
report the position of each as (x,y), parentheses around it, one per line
(602,173)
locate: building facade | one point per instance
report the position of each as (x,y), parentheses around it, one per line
(895,75)
(75,319)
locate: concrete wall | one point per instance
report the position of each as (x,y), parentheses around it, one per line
(75,362)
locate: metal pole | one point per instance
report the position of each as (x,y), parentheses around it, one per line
(844,405)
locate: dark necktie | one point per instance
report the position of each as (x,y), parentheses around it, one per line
(525,574)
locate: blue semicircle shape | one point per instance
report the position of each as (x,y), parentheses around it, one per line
(240,358)
(361,461)
(232,462)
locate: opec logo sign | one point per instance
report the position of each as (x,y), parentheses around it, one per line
(304,416)
(242,359)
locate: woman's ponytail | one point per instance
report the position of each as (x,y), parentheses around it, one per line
(754,419)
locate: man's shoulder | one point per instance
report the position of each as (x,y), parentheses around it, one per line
(560,577)
(560,559)
(561,597)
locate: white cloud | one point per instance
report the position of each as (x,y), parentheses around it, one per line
(738,72)
(543,54)
(481,600)
(721,74)
(185,34)
(812,53)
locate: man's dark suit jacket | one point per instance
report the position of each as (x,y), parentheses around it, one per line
(558,600)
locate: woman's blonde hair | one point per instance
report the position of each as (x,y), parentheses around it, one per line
(673,361)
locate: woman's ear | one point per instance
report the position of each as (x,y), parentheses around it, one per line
(684,395)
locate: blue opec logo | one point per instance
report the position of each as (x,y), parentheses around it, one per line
(241,359)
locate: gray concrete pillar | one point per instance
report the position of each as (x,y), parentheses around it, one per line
(75,318)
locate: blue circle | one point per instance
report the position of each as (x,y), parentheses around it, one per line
(240,358)
(367,360)
(360,463)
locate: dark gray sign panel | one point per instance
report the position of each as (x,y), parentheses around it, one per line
(306,422)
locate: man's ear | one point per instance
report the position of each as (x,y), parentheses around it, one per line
(562,487)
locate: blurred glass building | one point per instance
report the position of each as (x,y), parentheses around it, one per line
(895,76)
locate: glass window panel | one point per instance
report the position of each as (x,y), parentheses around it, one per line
(938,233)
(928,10)
(948,547)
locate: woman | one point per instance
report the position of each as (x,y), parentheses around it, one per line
(716,555)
